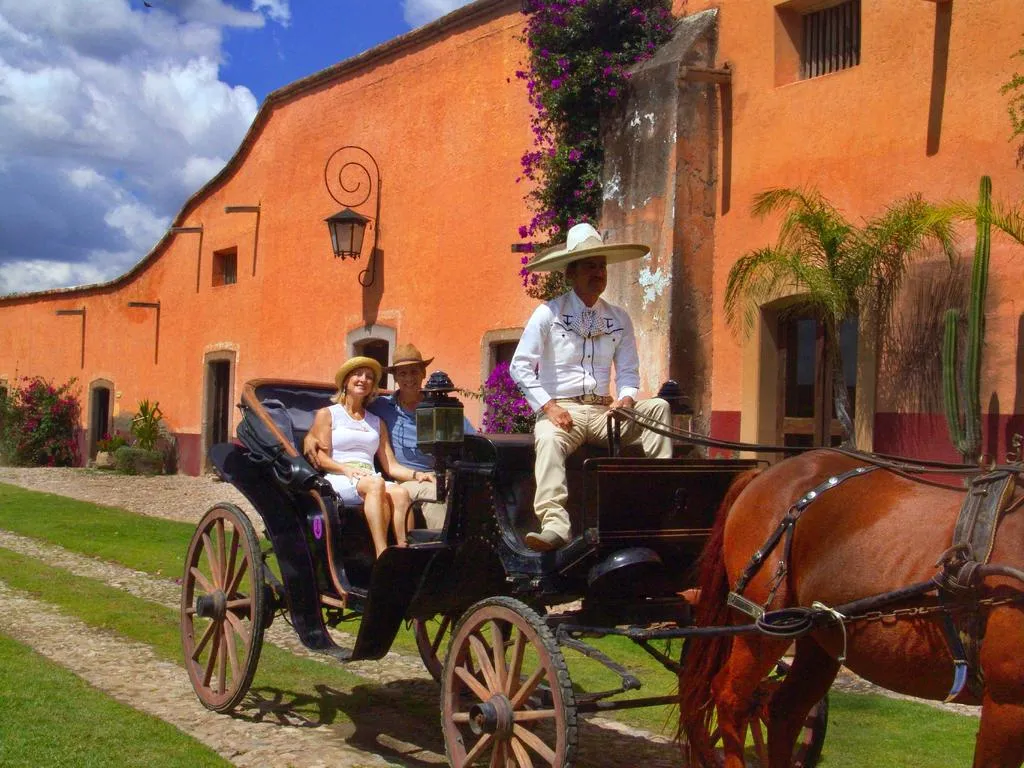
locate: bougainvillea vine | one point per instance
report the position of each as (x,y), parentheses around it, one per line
(580,52)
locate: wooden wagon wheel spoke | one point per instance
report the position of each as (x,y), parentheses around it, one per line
(460,717)
(230,571)
(527,688)
(200,577)
(210,630)
(527,715)
(229,641)
(435,644)
(473,684)
(534,742)
(223,612)
(236,624)
(478,749)
(214,652)
(222,552)
(232,588)
(516,664)
(498,755)
(522,756)
(482,654)
(500,670)
(211,559)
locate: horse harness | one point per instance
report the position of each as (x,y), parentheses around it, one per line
(957,582)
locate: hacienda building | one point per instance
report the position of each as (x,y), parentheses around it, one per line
(866,100)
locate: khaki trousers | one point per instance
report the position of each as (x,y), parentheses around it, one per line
(426,491)
(590,425)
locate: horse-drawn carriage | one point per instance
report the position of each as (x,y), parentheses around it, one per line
(505,612)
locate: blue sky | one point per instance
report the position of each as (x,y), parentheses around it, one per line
(113,112)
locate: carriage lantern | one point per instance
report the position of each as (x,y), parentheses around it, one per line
(439,420)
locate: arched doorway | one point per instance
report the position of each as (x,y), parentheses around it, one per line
(101,406)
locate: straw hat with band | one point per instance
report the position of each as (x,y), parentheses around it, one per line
(406,355)
(582,242)
(352,364)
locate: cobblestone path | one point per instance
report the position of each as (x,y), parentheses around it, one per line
(263,732)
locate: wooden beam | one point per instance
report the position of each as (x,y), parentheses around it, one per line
(718,75)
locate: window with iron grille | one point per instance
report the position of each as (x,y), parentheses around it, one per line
(831,39)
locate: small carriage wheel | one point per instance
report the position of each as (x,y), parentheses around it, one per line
(506,696)
(432,636)
(811,739)
(223,607)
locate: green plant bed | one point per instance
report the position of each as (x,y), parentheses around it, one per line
(48,716)
(138,461)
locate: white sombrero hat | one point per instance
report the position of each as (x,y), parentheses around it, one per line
(582,242)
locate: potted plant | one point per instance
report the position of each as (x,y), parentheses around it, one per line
(105,448)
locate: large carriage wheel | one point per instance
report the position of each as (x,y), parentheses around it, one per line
(432,636)
(809,743)
(506,697)
(223,610)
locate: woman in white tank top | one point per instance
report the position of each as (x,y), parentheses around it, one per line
(356,436)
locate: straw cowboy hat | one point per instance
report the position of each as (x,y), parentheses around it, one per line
(352,364)
(582,242)
(406,355)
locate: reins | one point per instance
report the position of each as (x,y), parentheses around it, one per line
(955,585)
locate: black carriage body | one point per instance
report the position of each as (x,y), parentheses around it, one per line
(643,523)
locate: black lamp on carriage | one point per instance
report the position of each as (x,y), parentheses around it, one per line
(347,229)
(439,420)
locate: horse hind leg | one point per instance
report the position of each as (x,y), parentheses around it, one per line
(735,690)
(806,683)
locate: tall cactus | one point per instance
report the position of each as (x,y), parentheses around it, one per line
(965,425)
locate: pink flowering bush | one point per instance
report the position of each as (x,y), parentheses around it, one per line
(37,424)
(580,51)
(506,408)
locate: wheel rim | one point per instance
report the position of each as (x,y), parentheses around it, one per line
(431,641)
(506,698)
(222,607)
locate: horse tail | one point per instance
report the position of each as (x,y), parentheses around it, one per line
(703,657)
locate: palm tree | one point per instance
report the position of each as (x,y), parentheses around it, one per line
(1008,220)
(835,265)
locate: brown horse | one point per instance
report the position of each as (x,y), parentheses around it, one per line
(871,534)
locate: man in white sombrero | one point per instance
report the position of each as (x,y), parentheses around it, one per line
(563,365)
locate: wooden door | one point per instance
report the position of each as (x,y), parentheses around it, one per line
(806,407)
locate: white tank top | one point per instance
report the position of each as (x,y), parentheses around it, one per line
(353,439)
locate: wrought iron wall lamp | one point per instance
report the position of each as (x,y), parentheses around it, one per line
(351,182)
(81,312)
(256,235)
(151,305)
(199,256)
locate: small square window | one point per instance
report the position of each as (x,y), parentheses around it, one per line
(225,267)
(811,43)
(831,40)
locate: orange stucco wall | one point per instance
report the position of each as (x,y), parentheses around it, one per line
(861,136)
(446,123)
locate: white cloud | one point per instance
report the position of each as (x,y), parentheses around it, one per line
(419,12)
(110,118)
(277,10)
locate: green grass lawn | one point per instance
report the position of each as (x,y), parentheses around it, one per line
(863,729)
(50,717)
